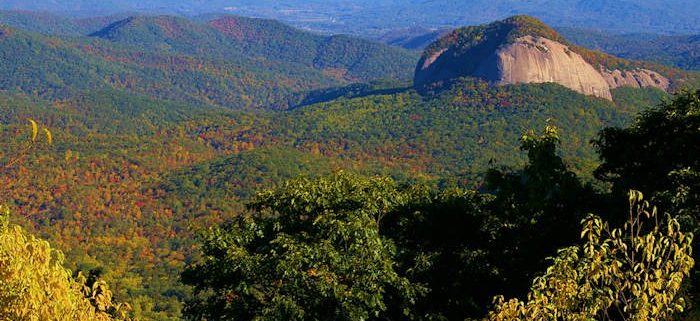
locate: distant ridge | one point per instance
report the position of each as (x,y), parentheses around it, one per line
(232,37)
(177,59)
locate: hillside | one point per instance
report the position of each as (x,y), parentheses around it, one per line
(167,167)
(176,59)
(58,68)
(231,37)
(522,49)
(53,24)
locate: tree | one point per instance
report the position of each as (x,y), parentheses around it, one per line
(537,210)
(658,155)
(35,286)
(311,250)
(443,240)
(632,273)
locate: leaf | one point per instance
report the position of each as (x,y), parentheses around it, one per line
(35,129)
(49,136)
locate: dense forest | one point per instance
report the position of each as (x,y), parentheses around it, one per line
(196,63)
(168,169)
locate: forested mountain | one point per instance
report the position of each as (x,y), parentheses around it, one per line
(237,38)
(165,57)
(152,131)
(164,168)
(678,51)
(47,23)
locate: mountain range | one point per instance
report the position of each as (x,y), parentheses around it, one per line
(233,62)
(165,126)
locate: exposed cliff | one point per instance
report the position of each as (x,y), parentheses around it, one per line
(524,50)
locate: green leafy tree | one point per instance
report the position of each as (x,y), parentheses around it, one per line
(629,273)
(490,243)
(443,240)
(658,155)
(312,250)
(537,209)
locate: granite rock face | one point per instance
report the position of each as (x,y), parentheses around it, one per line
(525,58)
(637,78)
(539,60)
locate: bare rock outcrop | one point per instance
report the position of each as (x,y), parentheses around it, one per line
(540,60)
(637,78)
(522,49)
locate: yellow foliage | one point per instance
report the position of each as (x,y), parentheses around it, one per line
(35,128)
(34,285)
(49,136)
(633,273)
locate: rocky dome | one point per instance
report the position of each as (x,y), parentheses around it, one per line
(522,49)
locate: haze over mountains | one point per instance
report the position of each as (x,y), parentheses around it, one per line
(376,17)
(680,51)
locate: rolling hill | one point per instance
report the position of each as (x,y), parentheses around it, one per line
(165,58)
(232,38)
(53,24)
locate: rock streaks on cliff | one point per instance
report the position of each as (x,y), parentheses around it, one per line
(494,54)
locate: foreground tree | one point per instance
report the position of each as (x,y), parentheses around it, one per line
(537,210)
(444,241)
(658,155)
(311,251)
(34,285)
(632,273)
